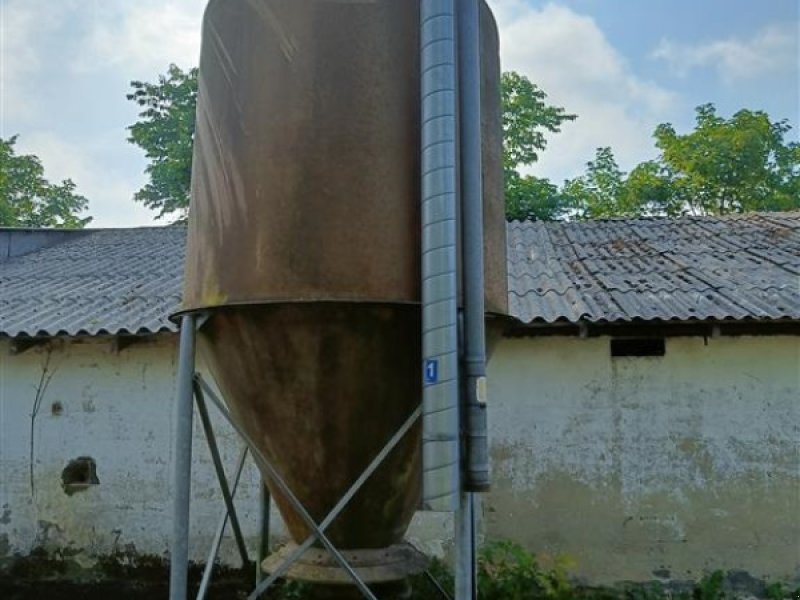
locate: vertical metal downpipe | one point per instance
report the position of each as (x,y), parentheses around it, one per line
(476,462)
(440,397)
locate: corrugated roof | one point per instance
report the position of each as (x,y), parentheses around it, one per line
(692,268)
(104,281)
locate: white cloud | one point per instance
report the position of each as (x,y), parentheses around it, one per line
(90,47)
(110,194)
(570,58)
(773,49)
(22,21)
(143,37)
(110,40)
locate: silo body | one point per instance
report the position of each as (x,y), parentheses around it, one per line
(304,242)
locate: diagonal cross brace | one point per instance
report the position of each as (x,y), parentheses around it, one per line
(205,582)
(343,501)
(318,531)
(202,409)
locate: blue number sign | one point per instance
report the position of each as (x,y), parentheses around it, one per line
(431,371)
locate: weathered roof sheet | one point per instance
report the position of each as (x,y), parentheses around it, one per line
(743,267)
(692,268)
(102,281)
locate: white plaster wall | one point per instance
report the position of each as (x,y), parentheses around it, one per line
(117,409)
(636,467)
(629,466)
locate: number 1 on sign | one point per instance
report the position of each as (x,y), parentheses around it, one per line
(431,371)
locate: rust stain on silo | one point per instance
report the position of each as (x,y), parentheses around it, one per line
(306,179)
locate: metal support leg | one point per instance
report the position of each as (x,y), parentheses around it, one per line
(182,463)
(263,546)
(474,504)
(317,531)
(212,555)
(464,582)
(220,469)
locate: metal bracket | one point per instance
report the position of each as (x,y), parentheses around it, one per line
(201,319)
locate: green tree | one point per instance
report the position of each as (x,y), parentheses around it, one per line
(739,164)
(600,192)
(165,132)
(725,165)
(651,190)
(27,199)
(533,198)
(527,118)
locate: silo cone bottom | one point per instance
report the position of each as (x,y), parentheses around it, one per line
(384,570)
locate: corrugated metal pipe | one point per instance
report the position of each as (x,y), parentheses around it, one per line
(440,399)
(476,461)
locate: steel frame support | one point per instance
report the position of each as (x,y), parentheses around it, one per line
(464,549)
(182,463)
(442,592)
(343,501)
(223,481)
(223,522)
(270,471)
(263,546)
(192,384)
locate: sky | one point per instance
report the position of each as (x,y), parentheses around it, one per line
(623,66)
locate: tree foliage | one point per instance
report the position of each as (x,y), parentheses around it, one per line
(600,192)
(740,164)
(27,199)
(726,165)
(527,118)
(165,131)
(723,165)
(532,198)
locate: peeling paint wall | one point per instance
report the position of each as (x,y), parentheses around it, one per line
(639,467)
(634,467)
(115,408)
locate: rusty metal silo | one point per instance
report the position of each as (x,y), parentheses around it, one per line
(304,238)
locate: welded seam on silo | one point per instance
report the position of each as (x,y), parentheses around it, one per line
(440,425)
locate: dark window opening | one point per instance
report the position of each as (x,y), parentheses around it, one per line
(638,347)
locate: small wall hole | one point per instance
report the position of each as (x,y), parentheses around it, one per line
(79,475)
